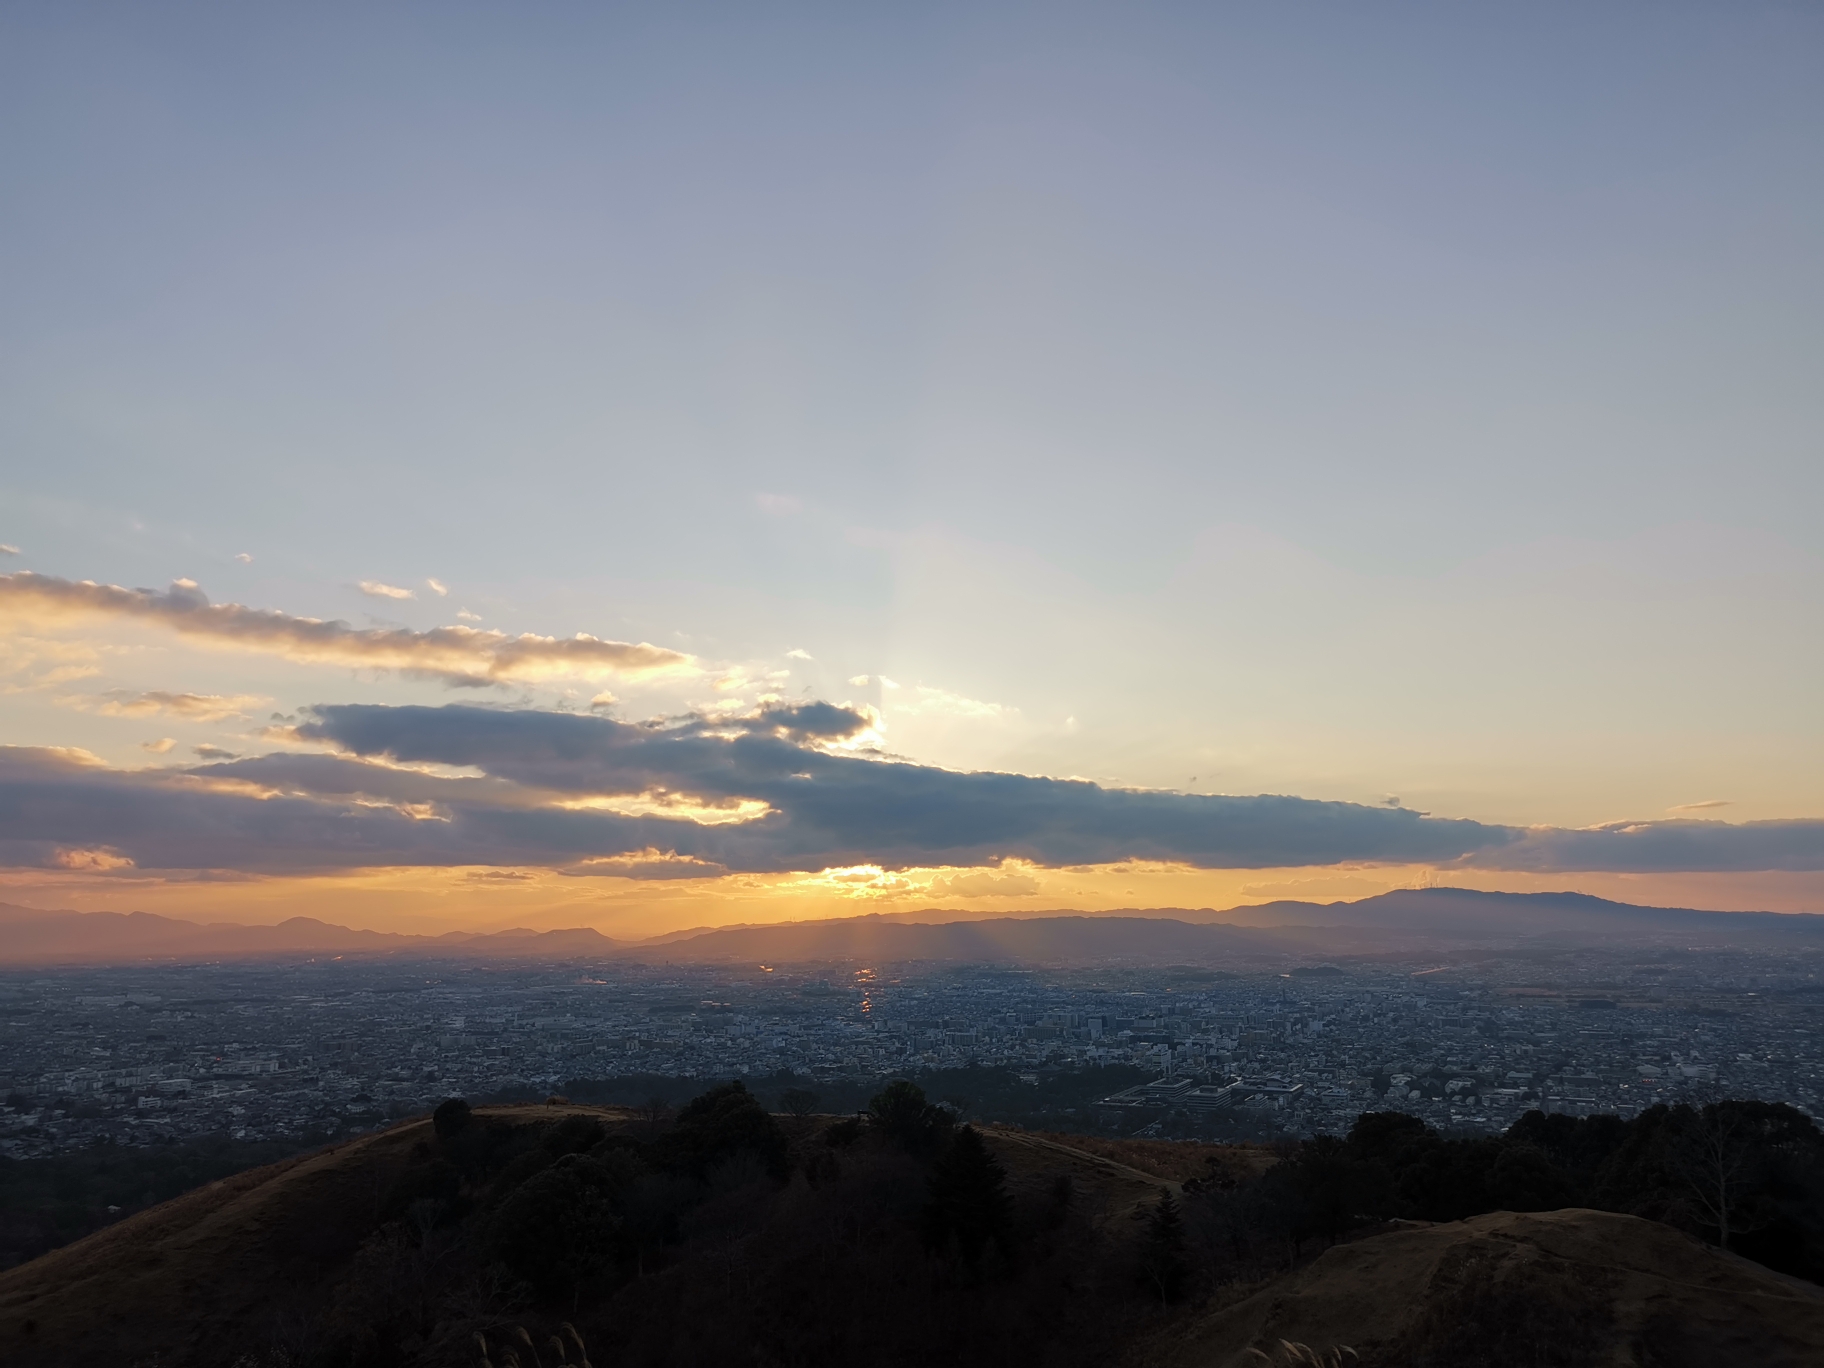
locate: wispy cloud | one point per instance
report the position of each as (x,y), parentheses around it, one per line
(244,558)
(438,587)
(191,707)
(375,589)
(942,703)
(8,549)
(456,655)
(1700,807)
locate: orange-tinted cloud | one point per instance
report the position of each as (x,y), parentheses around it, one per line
(456,655)
(192,707)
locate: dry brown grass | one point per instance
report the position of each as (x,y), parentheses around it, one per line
(1176,1161)
(1563,1289)
(1291,1354)
(152,1288)
(514,1347)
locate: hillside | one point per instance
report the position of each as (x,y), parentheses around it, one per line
(1566,1288)
(724,1234)
(281,1260)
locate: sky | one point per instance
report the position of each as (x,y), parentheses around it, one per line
(475,466)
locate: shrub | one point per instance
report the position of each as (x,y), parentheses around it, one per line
(559,1227)
(451,1118)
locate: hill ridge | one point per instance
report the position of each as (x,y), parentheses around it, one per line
(1398,919)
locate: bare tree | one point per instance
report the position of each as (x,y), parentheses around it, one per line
(800,1102)
(654,1111)
(1716,1158)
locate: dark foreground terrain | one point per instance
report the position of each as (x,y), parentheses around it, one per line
(539,1235)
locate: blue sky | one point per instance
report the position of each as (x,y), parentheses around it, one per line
(1354,403)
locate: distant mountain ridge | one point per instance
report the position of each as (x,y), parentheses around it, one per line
(30,935)
(1405,920)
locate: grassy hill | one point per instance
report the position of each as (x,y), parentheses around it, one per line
(1562,1287)
(544,1235)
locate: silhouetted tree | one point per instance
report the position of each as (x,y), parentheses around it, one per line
(1338,1190)
(558,1228)
(719,1125)
(799,1102)
(653,1110)
(451,1118)
(969,1205)
(1163,1265)
(901,1113)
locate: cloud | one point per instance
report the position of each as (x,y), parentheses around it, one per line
(465,615)
(1681,846)
(982,884)
(1699,807)
(209,752)
(162,746)
(770,790)
(244,558)
(799,655)
(189,706)
(375,589)
(943,703)
(649,864)
(90,861)
(46,663)
(438,587)
(859,681)
(455,655)
(825,808)
(8,549)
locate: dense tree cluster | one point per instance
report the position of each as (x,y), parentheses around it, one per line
(1745,1175)
(724,1233)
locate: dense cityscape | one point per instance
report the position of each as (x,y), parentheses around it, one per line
(259,1051)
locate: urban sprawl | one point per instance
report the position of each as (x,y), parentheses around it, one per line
(273,1050)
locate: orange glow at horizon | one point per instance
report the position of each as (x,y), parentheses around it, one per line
(433,901)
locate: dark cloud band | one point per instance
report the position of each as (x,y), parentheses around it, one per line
(770,792)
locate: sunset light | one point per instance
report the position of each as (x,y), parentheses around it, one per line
(751,673)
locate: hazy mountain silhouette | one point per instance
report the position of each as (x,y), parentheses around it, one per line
(1070,937)
(1404,921)
(32,935)
(1409,920)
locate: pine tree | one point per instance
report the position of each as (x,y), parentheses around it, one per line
(1163,1265)
(969,1203)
